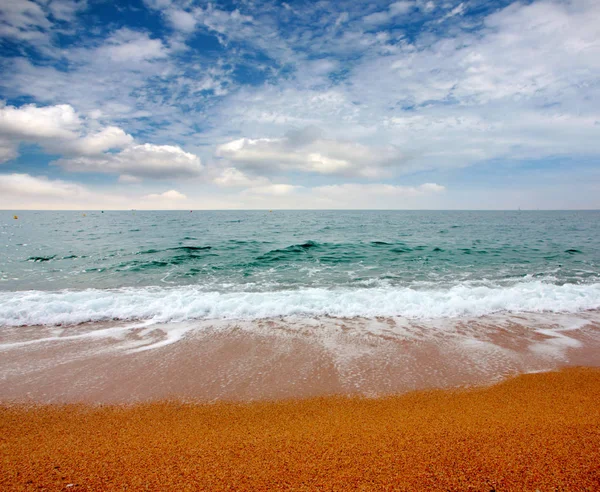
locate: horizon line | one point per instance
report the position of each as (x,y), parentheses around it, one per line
(310,210)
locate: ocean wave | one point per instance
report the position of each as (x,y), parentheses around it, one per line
(167,257)
(335,253)
(184,249)
(189,303)
(41,259)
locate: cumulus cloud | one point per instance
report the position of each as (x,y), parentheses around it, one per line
(307,151)
(96,143)
(140,161)
(59,129)
(34,123)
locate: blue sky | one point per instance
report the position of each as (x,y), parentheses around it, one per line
(160,104)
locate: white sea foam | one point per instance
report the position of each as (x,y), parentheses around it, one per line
(162,305)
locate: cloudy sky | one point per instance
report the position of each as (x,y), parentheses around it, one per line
(427,104)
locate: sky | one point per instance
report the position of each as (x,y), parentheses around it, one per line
(411,104)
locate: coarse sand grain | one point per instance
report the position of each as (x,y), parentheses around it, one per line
(533,432)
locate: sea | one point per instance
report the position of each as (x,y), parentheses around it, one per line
(517,291)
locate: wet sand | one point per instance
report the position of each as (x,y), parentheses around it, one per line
(284,358)
(533,432)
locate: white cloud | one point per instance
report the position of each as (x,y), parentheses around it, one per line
(376,196)
(377,18)
(394,9)
(35,22)
(254,185)
(343,196)
(167,195)
(306,151)
(273,189)
(25,185)
(140,161)
(428,6)
(33,123)
(126,178)
(127,46)
(8,150)
(356,190)
(431,187)
(58,129)
(341,19)
(23,191)
(96,143)
(123,76)
(181,20)
(399,8)
(22,19)
(66,10)
(232,23)
(458,10)
(234,178)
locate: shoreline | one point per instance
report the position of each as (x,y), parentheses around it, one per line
(275,359)
(533,431)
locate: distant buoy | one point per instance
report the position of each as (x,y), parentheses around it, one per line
(15,217)
(84,215)
(270,210)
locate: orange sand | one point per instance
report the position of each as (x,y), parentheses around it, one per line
(538,431)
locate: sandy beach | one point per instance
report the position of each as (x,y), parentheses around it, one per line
(532,432)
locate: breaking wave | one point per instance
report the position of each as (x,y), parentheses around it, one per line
(157,304)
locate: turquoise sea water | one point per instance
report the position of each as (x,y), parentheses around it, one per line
(67,267)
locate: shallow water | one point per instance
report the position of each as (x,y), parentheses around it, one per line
(285,357)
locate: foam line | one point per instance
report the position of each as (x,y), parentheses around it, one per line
(162,305)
